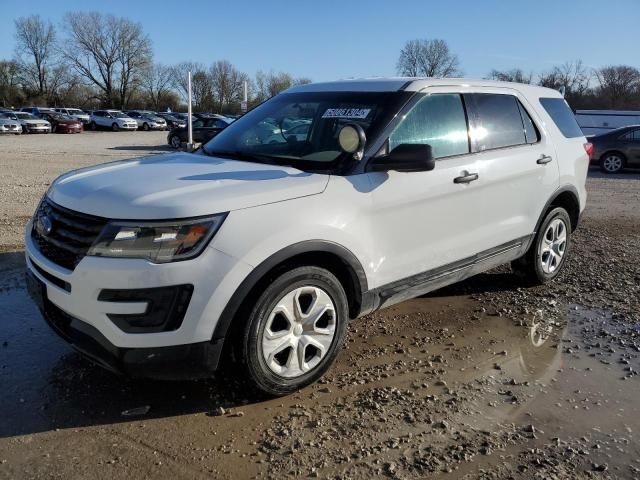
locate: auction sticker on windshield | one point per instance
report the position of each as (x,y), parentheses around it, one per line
(346,113)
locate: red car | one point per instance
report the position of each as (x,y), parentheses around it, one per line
(61,123)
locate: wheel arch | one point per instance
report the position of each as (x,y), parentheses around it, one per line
(566,197)
(617,152)
(321,253)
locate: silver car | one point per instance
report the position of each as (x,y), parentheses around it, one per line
(147,120)
(31,124)
(9,126)
(75,113)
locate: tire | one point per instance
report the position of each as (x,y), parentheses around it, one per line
(24,129)
(612,162)
(115,127)
(145,127)
(175,141)
(93,126)
(272,338)
(545,258)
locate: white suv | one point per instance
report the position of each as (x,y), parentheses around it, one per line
(113,119)
(263,251)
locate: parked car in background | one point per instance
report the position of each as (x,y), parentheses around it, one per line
(75,113)
(204,129)
(30,123)
(596,122)
(112,119)
(172,121)
(8,125)
(36,111)
(147,120)
(62,123)
(615,150)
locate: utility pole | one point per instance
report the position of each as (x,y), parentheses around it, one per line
(245,97)
(189,126)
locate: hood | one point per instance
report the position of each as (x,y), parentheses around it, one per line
(178,186)
(69,122)
(36,121)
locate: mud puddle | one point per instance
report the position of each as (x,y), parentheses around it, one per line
(433,387)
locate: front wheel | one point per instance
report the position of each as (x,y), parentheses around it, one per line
(294,330)
(115,127)
(145,127)
(548,252)
(175,141)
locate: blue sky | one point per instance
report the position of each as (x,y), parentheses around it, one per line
(329,39)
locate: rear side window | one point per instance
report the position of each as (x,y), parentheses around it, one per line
(562,116)
(438,120)
(496,121)
(633,135)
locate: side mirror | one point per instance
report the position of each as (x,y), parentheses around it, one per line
(351,139)
(406,157)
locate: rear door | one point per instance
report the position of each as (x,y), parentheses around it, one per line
(519,164)
(630,146)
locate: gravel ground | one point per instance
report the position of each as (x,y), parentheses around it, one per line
(485,379)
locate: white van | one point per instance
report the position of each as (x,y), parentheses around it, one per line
(596,122)
(264,251)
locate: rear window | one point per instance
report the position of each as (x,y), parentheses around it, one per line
(496,121)
(562,116)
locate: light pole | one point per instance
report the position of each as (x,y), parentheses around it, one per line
(189,126)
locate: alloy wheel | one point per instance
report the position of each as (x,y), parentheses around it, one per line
(299,331)
(612,163)
(553,245)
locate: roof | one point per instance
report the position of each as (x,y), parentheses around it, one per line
(411,84)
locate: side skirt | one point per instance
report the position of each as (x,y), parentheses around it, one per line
(425,282)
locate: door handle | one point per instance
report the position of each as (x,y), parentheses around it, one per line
(466,178)
(544,159)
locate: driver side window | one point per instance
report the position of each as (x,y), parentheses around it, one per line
(438,120)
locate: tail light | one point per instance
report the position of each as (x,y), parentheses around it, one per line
(588,147)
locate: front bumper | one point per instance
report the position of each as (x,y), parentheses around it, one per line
(15,129)
(38,129)
(196,360)
(215,276)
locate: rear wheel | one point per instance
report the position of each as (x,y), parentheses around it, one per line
(548,252)
(294,330)
(612,162)
(93,126)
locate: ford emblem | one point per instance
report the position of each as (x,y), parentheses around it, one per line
(44,225)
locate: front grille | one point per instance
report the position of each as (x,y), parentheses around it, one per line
(71,236)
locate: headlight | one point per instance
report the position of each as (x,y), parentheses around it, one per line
(159,242)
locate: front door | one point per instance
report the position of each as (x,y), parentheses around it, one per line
(425,220)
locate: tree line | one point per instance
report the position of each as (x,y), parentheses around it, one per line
(95,60)
(615,87)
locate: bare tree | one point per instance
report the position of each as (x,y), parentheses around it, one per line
(226,83)
(10,87)
(267,85)
(573,76)
(156,83)
(180,73)
(428,58)
(110,52)
(618,84)
(35,49)
(513,75)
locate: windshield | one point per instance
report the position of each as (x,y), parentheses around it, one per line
(118,115)
(24,116)
(75,111)
(301,129)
